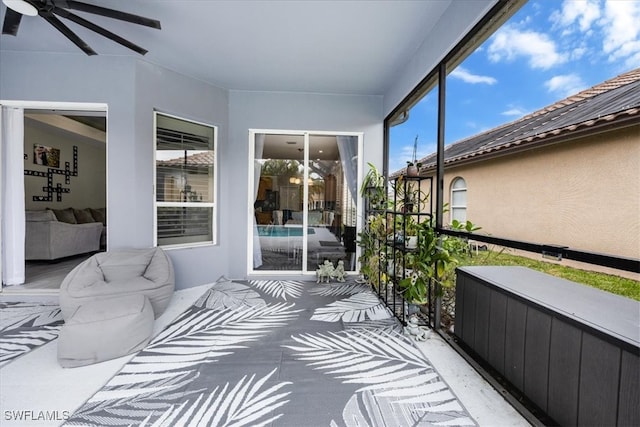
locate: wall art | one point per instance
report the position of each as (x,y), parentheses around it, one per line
(46,156)
(68,172)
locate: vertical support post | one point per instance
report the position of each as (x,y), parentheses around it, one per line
(385,156)
(442,74)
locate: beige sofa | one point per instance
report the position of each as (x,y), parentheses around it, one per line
(48,238)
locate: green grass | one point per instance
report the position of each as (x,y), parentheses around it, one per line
(607,282)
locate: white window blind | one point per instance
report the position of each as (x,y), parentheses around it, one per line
(185,175)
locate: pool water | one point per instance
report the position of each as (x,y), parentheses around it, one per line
(279,231)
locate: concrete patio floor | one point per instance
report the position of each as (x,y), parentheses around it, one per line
(35,384)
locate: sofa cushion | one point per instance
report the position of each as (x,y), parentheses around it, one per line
(99,215)
(40,216)
(46,238)
(83,216)
(65,215)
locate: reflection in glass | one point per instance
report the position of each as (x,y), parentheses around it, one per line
(304,209)
(185,160)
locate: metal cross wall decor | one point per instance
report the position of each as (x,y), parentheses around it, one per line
(58,189)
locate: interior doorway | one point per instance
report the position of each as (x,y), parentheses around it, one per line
(64,195)
(303,206)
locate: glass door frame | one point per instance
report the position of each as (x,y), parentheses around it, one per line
(306,134)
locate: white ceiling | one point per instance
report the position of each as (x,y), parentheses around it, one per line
(291,147)
(322,46)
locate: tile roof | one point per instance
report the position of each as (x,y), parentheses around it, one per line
(614,100)
(204,158)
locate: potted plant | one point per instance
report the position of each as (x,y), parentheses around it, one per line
(373,188)
(409,196)
(372,237)
(413,166)
(434,259)
(411,233)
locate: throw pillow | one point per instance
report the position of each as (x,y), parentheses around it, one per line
(83,216)
(65,215)
(99,215)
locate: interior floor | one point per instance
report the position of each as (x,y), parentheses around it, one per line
(48,275)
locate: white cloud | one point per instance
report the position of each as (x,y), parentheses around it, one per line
(406,151)
(584,12)
(565,85)
(510,43)
(621,38)
(514,111)
(578,52)
(468,77)
(633,61)
(399,158)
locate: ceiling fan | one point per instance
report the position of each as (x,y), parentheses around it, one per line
(48,9)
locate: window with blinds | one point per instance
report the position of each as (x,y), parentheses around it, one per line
(459,200)
(185,181)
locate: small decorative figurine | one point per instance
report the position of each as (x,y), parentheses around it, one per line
(324,272)
(339,272)
(419,333)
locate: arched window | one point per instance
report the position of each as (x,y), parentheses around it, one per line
(459,200)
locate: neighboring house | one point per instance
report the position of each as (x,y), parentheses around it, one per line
(568,174)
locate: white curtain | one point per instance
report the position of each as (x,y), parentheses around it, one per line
(12,213)
(348,148)
(257,170)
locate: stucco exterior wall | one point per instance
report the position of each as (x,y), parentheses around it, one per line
(584,194)
(131,89)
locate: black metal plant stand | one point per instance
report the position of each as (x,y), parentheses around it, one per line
(412,202)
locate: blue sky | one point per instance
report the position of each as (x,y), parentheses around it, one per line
(547,51)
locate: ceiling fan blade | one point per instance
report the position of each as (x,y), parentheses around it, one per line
(11,22)
(98,29)
(109,13)
(67,32)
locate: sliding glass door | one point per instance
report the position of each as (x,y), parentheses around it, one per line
(304,201)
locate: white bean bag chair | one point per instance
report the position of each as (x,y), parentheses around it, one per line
(120,272)
(105,329)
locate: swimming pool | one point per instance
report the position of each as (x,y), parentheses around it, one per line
(280,231)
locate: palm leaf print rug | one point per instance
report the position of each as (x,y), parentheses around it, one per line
(278,353)
(25,326)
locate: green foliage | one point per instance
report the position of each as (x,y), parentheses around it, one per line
(409,196)
(467,226)
(373,187)
(435,259)
(373,178)
(279,167)
(372,255)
